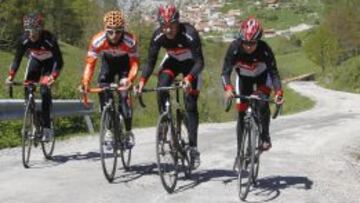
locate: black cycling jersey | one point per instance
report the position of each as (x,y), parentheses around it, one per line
(185,46)
(44,48)
(250,65)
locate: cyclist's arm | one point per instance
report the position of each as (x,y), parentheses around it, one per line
(229,63)
(20,51)
(197,54)
(57,58)
(134,63)
(152,57)
(273,70)
(90,63)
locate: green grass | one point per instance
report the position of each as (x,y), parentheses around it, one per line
(345,77)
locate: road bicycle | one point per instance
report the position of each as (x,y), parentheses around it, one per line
(247,161)
(172,146)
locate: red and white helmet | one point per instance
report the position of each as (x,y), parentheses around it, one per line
(168,14)
(251,30)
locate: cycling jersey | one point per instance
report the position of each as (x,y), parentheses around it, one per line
(186,46)
(126,50)
(250,65)
(44,49)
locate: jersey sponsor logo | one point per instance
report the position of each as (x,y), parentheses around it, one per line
(250,69)
(41,54)
(180,54)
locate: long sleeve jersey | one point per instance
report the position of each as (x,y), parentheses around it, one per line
(100,46)
(45,48)
(250,65)
(185,46)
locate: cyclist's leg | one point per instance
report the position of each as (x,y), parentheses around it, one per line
(166,76)
(32,73)
(192,113)
(45,92)
(264,109)
(124,99)
(106,76)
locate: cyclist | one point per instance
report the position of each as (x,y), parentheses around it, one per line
(254,63)
(118,50)
(184,55)
(44,64)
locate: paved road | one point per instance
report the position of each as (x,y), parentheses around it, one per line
(311,161)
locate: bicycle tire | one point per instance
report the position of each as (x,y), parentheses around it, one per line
(244,164)
(184,144)
(124,152)
(168,172)
(48,147)
(257,151)
(27,131)
(108,156)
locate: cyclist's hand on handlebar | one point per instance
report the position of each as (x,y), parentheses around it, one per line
(9,80)
(84,88)
(47,80)
(229,94)
(186,84)
(140,87)
(126,83)
(279,99)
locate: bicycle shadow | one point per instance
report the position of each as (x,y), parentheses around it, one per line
(61,159)
(78,156)
(135,172)
(203,176)
(269,188)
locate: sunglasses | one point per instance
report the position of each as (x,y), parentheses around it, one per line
(249,43)
(32,30)
(114,31)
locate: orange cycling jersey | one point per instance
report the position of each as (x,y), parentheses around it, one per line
(100,45)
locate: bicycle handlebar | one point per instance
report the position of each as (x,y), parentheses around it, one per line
(111,87)
(16,83)
(177,85)
(257,98)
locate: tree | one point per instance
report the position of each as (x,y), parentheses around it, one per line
(322,48)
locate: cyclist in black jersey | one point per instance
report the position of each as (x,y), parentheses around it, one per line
(44,64)
(255,64)
(183,56)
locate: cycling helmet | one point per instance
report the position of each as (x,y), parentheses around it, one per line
(33,21)
(114,19)
(168,14)
(251,30)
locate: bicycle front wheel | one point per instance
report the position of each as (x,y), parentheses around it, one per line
(256,150)
(245,164)
(48,146)
(108,147)
(166,155)
(125,151)
(28,134)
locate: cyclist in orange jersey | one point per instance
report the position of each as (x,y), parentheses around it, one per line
(118,50)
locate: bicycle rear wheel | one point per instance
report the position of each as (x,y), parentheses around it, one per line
(108,146)
(166,154)
(124,150)
(28,134)
(245,164)
(48,146)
